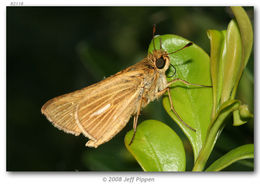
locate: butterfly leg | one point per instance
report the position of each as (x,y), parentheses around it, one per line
(186,83)
(136,120)
(172,108)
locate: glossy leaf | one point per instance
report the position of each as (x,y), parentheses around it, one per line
(246,33)
(225,63)
(239,153)
(217,126)
(156,147)
(217,39)
(193,104)
(231,60)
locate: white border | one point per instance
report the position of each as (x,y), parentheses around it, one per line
(90,178)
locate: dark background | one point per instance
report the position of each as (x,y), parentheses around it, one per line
(56,50)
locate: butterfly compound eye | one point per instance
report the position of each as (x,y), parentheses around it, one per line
(160,63)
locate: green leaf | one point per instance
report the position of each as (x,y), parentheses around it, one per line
(217,127)
(239,153)
(231,61)
(156,147)
(230,51)
(193,104)
(217,39)
(246,32)
(226,48)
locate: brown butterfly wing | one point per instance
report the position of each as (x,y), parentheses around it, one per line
(108,116)
(61,110)
(99,111)
(104,113)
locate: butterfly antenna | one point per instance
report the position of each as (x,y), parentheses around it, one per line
(154,29)
(187,45)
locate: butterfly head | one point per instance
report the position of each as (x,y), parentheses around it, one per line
(160,60)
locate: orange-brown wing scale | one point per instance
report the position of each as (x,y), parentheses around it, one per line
(60,111)
(99,111)
(109,117)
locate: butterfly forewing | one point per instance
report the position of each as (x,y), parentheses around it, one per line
(60,111)
(108,119)
(99,111)
(105,113)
